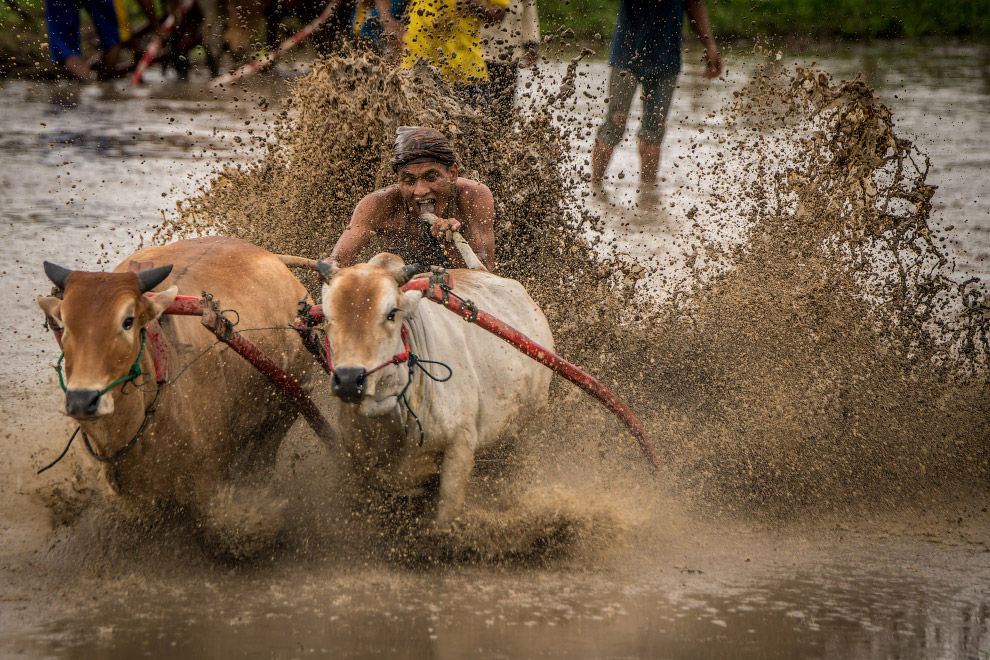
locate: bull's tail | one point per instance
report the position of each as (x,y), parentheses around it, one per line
(297,262)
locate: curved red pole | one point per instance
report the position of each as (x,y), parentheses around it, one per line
(225,332)
(283,48)
(157,41)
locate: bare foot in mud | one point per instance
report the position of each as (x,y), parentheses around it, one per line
(599,192)
(649,196)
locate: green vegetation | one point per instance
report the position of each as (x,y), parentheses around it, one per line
(817,19)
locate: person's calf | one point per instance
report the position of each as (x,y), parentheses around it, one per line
(649,158)
(601,154)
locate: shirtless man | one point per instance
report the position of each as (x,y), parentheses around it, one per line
(427,182)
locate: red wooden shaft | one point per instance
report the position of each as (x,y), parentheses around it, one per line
(157,41)
(159,350)
(267,366)
(194,306)
(184,305)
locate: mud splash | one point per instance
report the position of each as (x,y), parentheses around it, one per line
(827,360)
(830,359)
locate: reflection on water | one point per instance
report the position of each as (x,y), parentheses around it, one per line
(802,611)
(85,173)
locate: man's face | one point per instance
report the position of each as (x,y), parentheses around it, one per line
(426,186)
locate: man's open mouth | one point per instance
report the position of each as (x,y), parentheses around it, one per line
(427,206)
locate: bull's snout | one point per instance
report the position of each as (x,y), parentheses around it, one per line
(82,403)
(348,383)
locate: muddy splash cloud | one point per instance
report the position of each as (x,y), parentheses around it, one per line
(826,359)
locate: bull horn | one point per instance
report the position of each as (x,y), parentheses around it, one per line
(57,274)
(405,273)
(149,279)
(327,270)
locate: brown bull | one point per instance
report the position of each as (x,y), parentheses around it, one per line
(221,420)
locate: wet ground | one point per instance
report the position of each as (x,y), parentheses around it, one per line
(85,174)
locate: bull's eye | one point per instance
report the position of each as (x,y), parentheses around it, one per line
(391,315)
(128,323)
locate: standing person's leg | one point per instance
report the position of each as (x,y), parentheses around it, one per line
(64,41)
(112,28)
(657,95)
(621,87)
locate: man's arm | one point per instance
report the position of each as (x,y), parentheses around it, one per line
(364,223)
(698,17)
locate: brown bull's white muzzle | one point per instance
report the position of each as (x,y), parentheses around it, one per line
(83,404)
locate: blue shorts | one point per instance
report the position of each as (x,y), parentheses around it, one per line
(109,19)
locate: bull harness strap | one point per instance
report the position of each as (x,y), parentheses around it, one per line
(405,356)
(133,373)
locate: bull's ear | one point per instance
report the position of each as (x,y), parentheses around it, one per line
(57,274)
(408,301)
(327,270)
(52,307)
(149,279)
(158,303)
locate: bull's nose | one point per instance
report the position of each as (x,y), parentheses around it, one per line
(82,403)
(348,383)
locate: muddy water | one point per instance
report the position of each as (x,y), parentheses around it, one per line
(906,584)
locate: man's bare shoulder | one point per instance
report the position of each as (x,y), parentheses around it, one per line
(380,208)
(385,199)
(473,192)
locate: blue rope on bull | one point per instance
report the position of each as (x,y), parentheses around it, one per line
(416,361)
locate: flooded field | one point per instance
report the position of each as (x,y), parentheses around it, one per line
(88,173)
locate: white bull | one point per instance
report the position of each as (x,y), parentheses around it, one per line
(491,384)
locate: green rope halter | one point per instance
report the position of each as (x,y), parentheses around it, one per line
(134,372)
